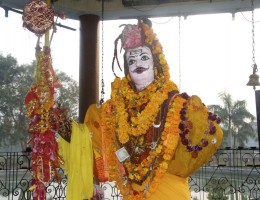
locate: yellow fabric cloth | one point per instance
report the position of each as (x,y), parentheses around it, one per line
(93,121)
(183,164)
(76,154)
(172,187)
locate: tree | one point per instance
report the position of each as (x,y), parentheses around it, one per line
(69,94)
(235,120)
(15,82)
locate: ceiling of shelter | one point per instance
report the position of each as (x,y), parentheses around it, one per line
(126,9)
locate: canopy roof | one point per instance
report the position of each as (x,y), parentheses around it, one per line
(126,9)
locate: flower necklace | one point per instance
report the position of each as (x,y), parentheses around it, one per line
(138,125)
(149,171)
(142,179)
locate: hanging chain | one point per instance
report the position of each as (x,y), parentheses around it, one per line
(253,32)
(179,53)
(102,55)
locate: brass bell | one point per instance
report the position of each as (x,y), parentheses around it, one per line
(253,78)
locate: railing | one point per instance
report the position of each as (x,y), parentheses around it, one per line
(230,174)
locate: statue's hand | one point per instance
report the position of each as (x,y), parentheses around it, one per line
(98,193)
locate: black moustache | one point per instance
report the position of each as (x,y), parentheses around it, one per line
(140,69)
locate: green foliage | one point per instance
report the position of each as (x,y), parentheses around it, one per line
(15,81)
(217,194)
(69,94)
(236,120)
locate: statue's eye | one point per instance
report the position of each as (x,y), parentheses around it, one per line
(145,57)
(130,62)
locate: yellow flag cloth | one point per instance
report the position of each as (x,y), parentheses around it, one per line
(78,163)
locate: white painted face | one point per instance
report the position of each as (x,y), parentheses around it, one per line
(140,63)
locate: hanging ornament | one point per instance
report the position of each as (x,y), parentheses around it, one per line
(44,114)
(253,78)
(38,17)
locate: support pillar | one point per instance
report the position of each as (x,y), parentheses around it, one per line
(88,63)
(257,98)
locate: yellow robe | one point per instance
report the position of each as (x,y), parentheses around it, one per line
(174,184)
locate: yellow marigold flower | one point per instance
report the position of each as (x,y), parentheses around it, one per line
(167,125)
(163,61)
(137,177)
(168,151)
(131,176)
(158,150)
(164,165)
(145,169)
(158,50)
(167,157)
(161,56)
(149,159)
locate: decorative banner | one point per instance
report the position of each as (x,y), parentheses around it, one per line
(44,114)
(38,16)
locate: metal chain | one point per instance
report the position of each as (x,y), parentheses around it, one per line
(102,56)
(179,53)
(253,32)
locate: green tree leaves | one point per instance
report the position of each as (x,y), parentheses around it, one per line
(15,82)
(69,94)
(235,120)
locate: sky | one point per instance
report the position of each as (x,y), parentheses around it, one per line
(207,54)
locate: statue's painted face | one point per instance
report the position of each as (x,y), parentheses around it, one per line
(140,63)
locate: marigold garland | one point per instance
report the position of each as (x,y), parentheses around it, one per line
(163,152)
(44,122)
(124,97)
